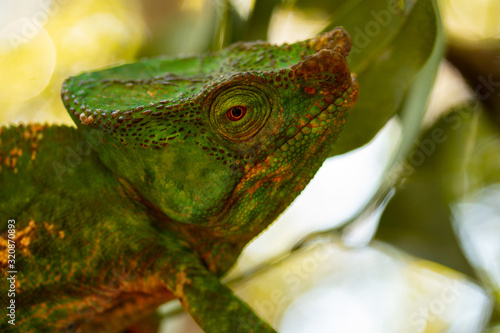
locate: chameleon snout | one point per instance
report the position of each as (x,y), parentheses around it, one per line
(325,61)
(337,40)
(331,48)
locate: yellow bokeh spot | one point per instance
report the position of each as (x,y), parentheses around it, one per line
(57,39)
(94,41)
(26,64)
(471,19)
(89,34)
(289,25)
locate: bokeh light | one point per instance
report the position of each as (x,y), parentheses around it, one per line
(472,20)
(370,289)
(43,42)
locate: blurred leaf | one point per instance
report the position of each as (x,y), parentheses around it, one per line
(258,23)
(236,27)
(417,219)
(414,106)
(373,26)
(390,46)
(222,26)
(475,197)
(330,6)
(454,159)
(479,63)
(495,329)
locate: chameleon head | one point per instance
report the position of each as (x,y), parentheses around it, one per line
(225,140)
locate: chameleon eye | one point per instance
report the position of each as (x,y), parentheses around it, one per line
(239,112)
(236,113)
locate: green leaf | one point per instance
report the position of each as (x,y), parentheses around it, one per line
(391,44)
(417,219)
(452,173)
(258,23)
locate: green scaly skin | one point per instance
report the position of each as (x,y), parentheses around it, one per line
(175,165)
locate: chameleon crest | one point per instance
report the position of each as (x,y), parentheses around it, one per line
(175,165)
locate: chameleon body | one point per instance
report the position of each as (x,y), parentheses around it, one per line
(175,165)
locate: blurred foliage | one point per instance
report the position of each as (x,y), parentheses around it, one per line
(398,45)
(418,218)
(327,287)
(495,329)
(479,63)
(450,164)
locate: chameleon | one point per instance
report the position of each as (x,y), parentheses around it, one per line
(174,165)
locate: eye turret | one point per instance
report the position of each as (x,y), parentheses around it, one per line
(239,112)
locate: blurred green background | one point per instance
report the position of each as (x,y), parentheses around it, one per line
(406,213)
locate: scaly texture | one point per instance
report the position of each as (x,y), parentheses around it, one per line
(175,165)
